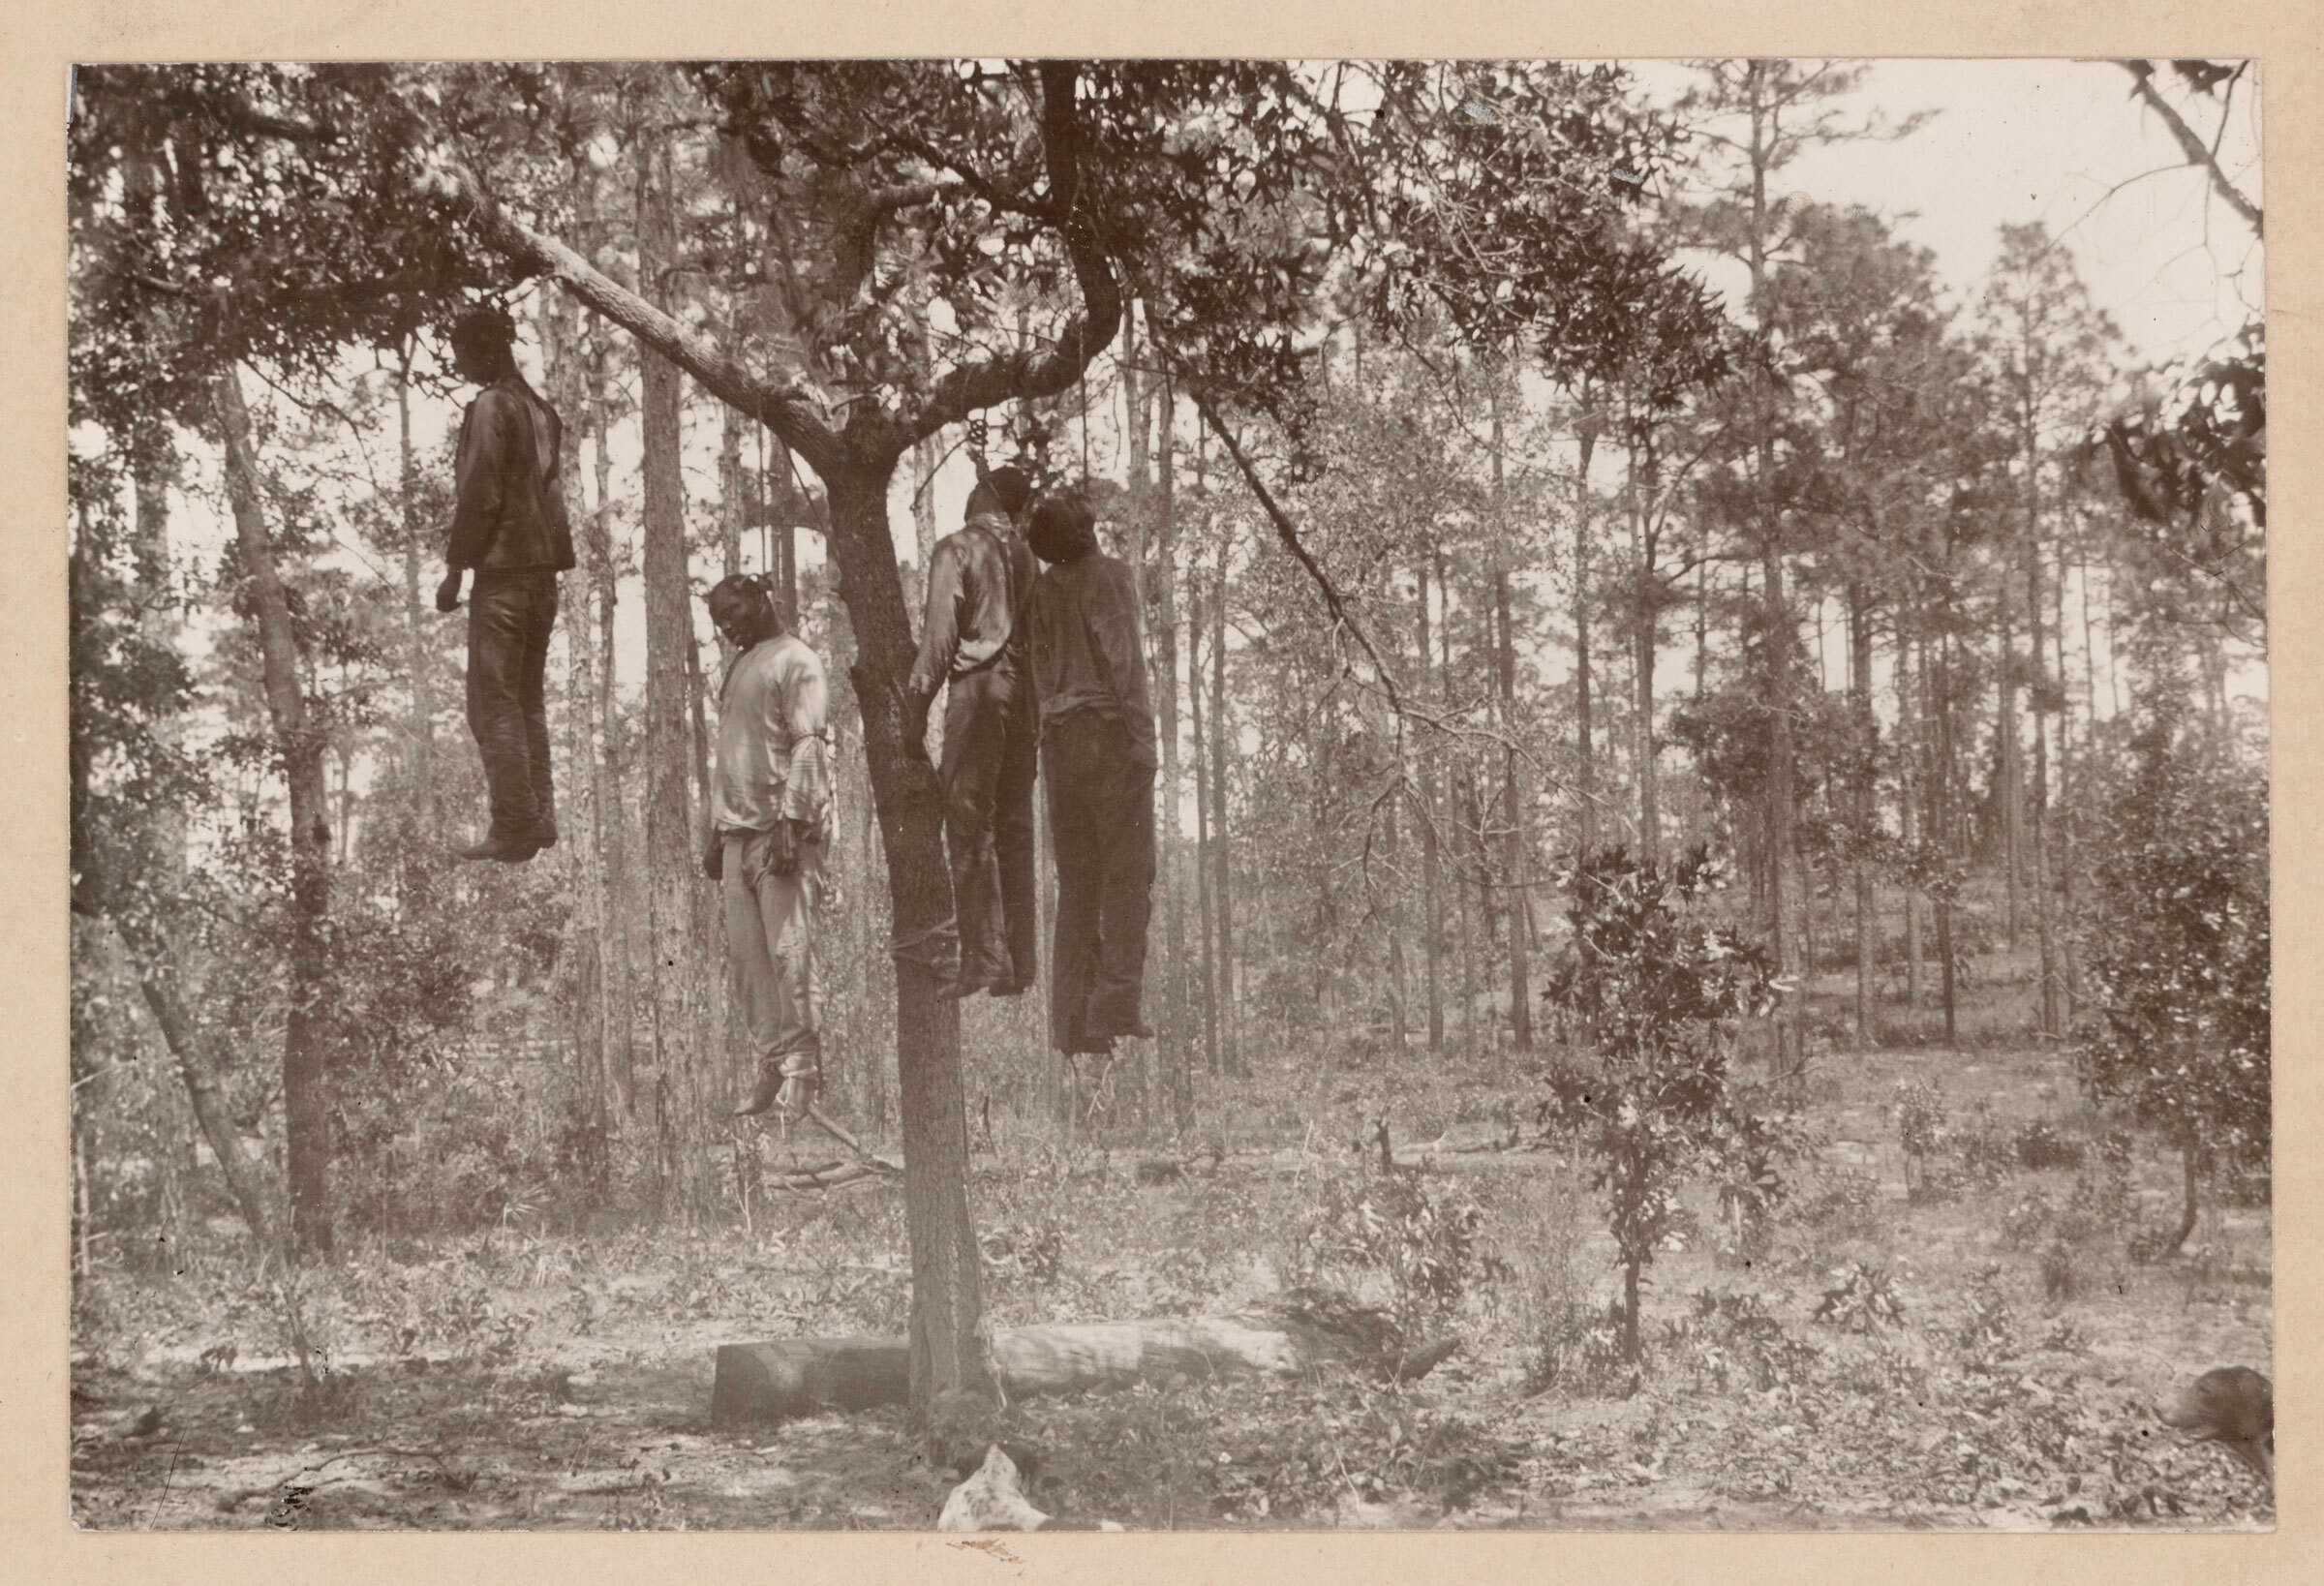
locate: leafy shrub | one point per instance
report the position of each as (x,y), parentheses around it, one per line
(1734,1338)
(1030,1250)
(2059,1277)
(1578,1351)
(1921,1122)
(1304,1448)
(1659,995)
(1988,1330)
(2179,931)
(1423,1240)
(2041,1145)
(1847,1204)
(1987,1154)
(2031,1218)
(1861,1300)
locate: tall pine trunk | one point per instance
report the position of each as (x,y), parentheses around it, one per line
(675,963)
(1222,882)
(420,720)
(1424,807)
(1176,1056)
(2052,1012)
(1515,850)
(306,1110)
(589,1010)
(1867,793)
(1205,906)
(1584,727)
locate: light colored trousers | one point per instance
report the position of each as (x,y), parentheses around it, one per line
(771,945)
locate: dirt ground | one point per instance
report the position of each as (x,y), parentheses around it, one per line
(529,1380)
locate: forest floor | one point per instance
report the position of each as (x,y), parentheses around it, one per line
(518,1379)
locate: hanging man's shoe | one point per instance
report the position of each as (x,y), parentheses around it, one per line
(499,846)
(785,1082)
(763,1094)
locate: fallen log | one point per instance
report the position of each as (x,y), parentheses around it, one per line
(793,1377)
(830,1175)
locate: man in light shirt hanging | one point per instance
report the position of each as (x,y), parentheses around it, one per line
(770,835)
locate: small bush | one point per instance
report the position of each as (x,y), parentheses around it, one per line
(1988,1155)
(1730,1339)
(2041,1145)
(1847,1204)
(2029,1219)
(1861,1300)
(1989,1330)
(1423,1240)
(1923,1128)
(1578,1352)
(2060,1278)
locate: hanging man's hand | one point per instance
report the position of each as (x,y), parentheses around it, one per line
(447,592)
(714,858)
(782,848)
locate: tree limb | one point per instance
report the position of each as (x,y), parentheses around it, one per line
(1022,373)
(788,406)
(2142,77)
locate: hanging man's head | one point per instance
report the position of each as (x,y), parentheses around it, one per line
(1005,490)
(742,607)
(483,341)
(1063,528)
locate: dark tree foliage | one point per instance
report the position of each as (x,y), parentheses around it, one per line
(127,682)
(230,212)
(2176,966)
(1238,200)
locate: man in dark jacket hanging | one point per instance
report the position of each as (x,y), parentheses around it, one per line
(973,637)
(509,527)
(1097,749)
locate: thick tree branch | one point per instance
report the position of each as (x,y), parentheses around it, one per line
(787,406)
(858,245)
(2142,76)
(1029,373)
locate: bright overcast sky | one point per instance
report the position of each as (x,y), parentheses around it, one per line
(2021,140)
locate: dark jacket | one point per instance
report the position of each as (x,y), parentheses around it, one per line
(510,516)
(978,581)
(1088,649)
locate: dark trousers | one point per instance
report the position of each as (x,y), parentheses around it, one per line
(509,616)
(992,755)
(1101,822)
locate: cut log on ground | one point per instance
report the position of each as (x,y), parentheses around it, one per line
(804,1376)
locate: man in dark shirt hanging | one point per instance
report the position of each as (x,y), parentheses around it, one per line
(973,638)
(1097,747)
(509,527)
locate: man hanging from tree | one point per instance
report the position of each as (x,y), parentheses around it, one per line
(509,527)
(973,637)
(770,835)
(1097,747)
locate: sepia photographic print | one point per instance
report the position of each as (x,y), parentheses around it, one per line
(1216,794)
